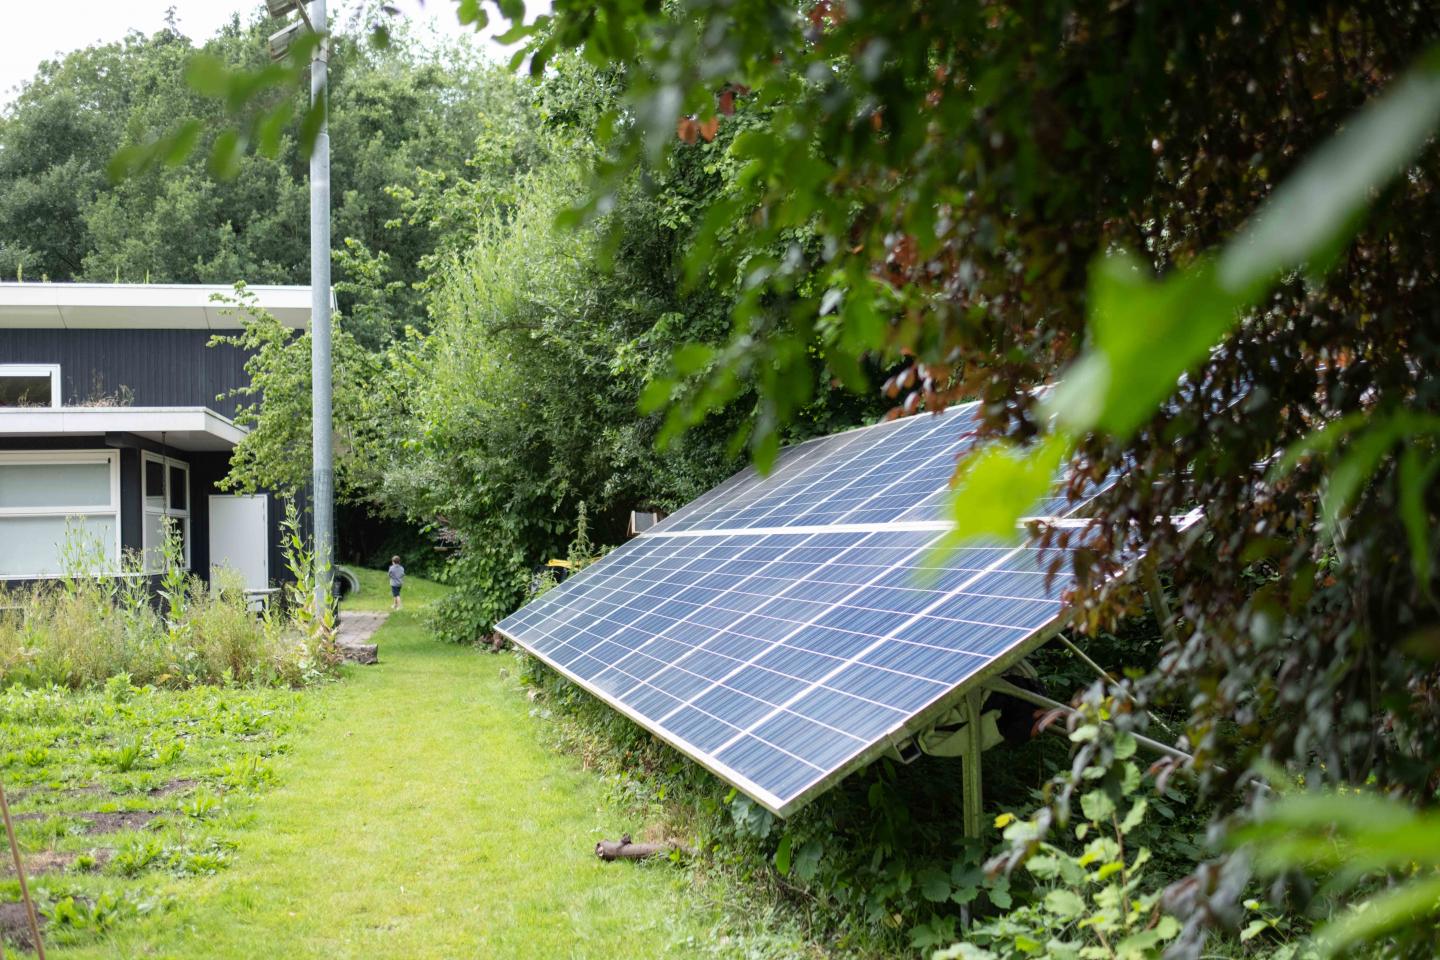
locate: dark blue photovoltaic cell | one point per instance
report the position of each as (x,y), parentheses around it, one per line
(778,658)
(871,475)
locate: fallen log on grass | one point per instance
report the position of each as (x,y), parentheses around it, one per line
(624,849)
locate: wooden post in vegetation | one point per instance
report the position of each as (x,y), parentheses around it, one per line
(20,875)
(1159,605)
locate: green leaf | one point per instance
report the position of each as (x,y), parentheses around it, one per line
(692,358)
(226,153)
(1354,470)
(1414,902)
(782,856)
(1254,928)
(1028,944)
(208,75)
(1416,476)
(807,860)
(764,450)
(935,885)
(270,128)
(998,484)
(1043,866)
(1097,806)
(1143,944)
(181,143)
(1147,335)
(1320,442)
(310,125)
(1135,817)
(1064,903)
(1125,745)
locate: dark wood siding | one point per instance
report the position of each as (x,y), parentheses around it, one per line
(160,368)
(206,470)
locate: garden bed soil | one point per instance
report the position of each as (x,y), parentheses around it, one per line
(97,821)
(15,925)
(179,785)
(54,861)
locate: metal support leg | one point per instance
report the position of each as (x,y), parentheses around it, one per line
(1159,605)
(1000,685)
(974,818)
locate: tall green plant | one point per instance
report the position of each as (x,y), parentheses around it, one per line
(175,582)
(299,553)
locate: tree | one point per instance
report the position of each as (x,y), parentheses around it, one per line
(543,339)
(401,115)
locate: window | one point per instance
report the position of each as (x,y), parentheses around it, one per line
(59,510)
(29,385)
(167,494)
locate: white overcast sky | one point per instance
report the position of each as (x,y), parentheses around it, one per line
(33,32)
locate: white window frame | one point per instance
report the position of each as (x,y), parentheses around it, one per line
(51,370)
(109,457)
(181,517)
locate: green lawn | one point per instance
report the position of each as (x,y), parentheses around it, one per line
(419,814)
(375,591)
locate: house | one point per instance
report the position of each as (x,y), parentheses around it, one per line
(115,413)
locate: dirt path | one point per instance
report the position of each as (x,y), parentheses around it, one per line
(423,817)
(358,626)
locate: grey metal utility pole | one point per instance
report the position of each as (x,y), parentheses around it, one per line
(322,450)
(323,464)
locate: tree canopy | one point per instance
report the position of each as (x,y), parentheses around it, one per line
(403,115)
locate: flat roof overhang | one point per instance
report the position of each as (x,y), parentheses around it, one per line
(183,428)
(140,306)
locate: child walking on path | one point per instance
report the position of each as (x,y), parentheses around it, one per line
(397,580)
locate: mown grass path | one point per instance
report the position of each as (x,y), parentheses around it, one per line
(420,816)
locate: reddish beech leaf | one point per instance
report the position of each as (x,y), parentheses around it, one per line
(708,128)
(687,129)
(903,253)
(727,102)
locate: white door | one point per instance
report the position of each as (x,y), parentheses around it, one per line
(239,538)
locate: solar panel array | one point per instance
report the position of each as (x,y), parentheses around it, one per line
(784,630)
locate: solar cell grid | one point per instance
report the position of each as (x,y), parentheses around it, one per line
(782,630)
(816,486)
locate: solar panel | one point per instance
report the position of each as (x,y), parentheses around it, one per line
(784,630)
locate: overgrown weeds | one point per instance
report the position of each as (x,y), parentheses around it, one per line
(166,628)
(878,866)
(120,791)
